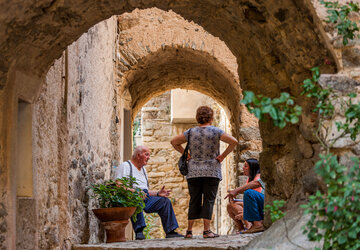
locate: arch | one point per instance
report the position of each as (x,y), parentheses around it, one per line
(273,56)
(158,51)
(38,33)
(183,68)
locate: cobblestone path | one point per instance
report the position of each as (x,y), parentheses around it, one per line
(222,242)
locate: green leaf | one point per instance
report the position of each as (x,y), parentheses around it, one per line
(267,108)
(294,120)
(282,124)
(284,96)
(352,95)
(265,101)
(342,238)
(273,113)
(257,113)
(290,102)
(353,234)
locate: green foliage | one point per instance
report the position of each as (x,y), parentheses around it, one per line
(335,214)
(119,193)
(325,108)
(150,222)
(311,88)
(281,110)
(274,209)
(339,15)
(352,115)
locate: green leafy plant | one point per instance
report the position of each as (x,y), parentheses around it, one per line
(325,110)
(339,15)
(150,223)
(119,193)
(281,110)
(324,106)
(274,209)
(352,115)
(335,214)
(332,212)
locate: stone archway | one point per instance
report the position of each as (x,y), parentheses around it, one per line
(158,51)
(183,68)
(34,34)
(246,28)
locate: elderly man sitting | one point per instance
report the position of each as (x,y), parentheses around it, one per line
(155,200)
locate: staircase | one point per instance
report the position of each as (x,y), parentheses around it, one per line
(197,243)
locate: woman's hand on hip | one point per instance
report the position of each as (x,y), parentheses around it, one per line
(220,158)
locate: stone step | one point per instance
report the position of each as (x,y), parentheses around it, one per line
(197,243)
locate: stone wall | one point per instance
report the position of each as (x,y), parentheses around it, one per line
(73,131)
(347,57)
(347,80)
(4,210)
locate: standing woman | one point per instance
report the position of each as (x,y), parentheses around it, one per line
(204,167)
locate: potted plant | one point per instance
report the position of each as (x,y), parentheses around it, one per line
(118,201)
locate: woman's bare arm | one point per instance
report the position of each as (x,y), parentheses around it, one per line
(232,144)
(177,141)
(251,185)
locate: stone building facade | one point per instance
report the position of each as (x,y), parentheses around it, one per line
(67,98)
(74,143)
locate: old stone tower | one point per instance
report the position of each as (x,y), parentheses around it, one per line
(74,74)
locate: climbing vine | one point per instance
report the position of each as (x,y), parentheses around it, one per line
(339,16)
(274,210)
(281,110)
(336,227)
(150,224)
(334,213)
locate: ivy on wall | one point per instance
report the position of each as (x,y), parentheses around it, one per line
(339,16)
(334,214)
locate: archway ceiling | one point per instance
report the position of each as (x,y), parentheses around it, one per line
(274,41)
(183,68)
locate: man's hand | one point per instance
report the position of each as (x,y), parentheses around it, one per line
(163,192)
(231,194)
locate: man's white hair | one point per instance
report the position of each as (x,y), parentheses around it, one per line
(138,150)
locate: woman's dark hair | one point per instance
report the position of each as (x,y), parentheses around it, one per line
(254,168)
(204,114)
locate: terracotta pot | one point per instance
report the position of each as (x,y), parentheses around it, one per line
(114,220)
